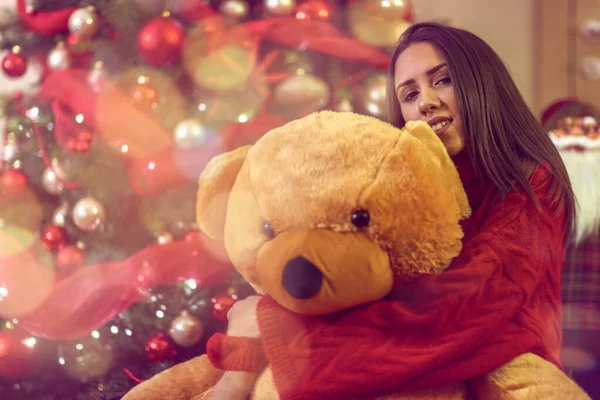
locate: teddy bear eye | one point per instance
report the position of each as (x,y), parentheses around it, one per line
(360,218)
(268,230)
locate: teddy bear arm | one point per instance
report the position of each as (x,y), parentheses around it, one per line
(265,389)
(528,376)
(181,382)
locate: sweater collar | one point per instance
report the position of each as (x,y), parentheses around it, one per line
(475,187)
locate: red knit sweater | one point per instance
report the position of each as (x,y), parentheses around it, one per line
(500,298)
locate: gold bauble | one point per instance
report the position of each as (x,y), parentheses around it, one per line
(280,8)
(170,104)
(301,94)
(238,105)
(23,210)
(373,96)
(236,9)
(374,24)
(219,59)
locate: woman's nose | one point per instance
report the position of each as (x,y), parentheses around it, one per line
(429,101)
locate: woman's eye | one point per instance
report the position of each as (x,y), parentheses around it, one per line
(410,96)
(444,81)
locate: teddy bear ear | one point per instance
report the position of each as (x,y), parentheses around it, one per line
(214,187)
(423,132)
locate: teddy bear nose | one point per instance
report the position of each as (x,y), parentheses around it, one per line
(301,278)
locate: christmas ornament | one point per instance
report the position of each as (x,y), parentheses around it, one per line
(378,23)
(301,94)
(590,29)
(52,180)
(14,64)
(296,62)
(59,57)
(190,134)
(235,9)
(96,76)
(217,58)
(591,67)
(144,97)
(164,238)
(18,353)
(160,41)
(344,105)
(373,96)
(68,260)
(88,214)
(155,93)
(86,359)
(11,150)
(186,330)
(80,144)
(54,237)
(221,304)
(160,348)
(13,182)
(59,216)
(236,106)
(84,22)
(23,210)
(315,9)
(280,8)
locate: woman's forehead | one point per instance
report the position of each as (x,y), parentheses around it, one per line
(417,60)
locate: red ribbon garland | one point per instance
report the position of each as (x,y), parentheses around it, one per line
(45,23)
(94,294)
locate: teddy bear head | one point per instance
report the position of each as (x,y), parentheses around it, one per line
(334,209)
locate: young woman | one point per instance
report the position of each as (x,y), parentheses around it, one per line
(500,298)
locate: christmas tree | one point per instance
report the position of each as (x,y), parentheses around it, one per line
(104,278)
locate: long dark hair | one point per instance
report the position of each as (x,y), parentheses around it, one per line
(504,140)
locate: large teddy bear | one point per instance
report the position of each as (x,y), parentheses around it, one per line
(332,211)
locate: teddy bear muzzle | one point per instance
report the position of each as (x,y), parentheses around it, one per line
(319,271)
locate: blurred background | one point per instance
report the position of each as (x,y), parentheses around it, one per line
(110,109)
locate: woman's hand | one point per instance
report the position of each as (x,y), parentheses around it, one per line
(233,385)
(237,385)
(242,318)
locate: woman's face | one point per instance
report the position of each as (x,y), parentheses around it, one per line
(425,93)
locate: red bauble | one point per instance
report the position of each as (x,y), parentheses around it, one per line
(13,182)
(82,146)
(192,235)
(160,347)
(85,136)
(160,41)
(14,65)
(54,237)
(221,304)
(68,260)
(18,354)
(316,10)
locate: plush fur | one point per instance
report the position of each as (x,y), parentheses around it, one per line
(293,194)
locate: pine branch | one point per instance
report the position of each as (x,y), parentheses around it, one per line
(53,5)
(125,16)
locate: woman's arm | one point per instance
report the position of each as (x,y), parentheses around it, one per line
(493,304)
